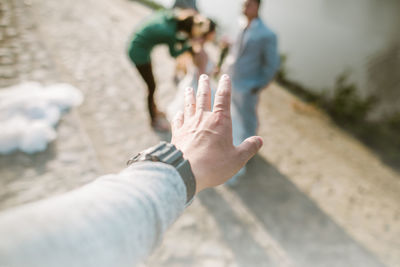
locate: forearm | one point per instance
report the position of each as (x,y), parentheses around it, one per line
(114,221)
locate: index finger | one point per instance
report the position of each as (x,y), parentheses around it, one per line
(222,102)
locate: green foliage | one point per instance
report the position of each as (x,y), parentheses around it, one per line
(343,104)
(346,104)
(281,75)
(296,88)
(350,111)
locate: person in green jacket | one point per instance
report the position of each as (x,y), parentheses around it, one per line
(177,29)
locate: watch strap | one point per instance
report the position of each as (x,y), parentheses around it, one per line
(169,154)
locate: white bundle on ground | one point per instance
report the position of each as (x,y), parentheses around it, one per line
(29,112)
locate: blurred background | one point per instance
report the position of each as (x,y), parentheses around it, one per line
(324,39)
(323,191)
(345,54)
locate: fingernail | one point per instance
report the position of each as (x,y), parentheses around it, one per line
(189,89)
(203,77)
(225,77)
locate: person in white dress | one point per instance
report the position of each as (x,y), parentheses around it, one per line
(196,63)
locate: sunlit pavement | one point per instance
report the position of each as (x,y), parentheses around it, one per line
(313,196)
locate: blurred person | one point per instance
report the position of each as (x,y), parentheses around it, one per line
(185,4)
(182,60)
(252,63)
(173,28)
(192,64)
(224,45)
(119,218)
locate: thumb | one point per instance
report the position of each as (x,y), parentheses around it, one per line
(249,148)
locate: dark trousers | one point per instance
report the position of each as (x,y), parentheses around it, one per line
(146,72)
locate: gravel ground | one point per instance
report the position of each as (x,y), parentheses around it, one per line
(314,196)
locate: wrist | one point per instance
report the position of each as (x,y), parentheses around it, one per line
(197,167)
(167,153)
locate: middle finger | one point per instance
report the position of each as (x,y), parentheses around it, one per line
(203,98)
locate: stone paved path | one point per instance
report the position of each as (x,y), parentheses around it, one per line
(24,57)
(314,196)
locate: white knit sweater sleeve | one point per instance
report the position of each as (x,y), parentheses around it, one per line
(114,221)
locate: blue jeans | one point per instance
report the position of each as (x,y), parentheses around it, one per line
(244,115)
(244,121)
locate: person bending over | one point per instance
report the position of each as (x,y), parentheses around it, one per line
(175,28)
(192,64)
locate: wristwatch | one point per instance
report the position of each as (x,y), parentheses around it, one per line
(169,154)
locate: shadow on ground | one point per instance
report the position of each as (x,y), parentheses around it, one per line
(15,180)
(306,234)
(18,162)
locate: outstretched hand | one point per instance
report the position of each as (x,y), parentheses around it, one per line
(204,135)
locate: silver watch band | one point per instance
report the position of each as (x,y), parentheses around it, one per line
(169,154)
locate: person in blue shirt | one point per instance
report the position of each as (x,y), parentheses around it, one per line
(252,64)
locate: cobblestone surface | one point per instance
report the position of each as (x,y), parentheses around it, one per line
(313,197)
(22,56)
(68,162)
